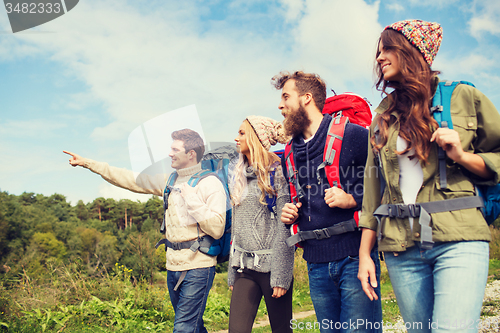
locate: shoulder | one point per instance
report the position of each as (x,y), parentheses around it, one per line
(355,135)
(212,182)
(355,129)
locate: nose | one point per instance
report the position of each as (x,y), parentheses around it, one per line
(380,57)
(171,154)
(281,105)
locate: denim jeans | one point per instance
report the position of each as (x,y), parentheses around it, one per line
(190,299)
(440,290)
(339,301)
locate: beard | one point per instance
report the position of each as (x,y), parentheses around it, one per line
(296,122)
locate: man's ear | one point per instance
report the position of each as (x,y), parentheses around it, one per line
(307,98)
(192,155)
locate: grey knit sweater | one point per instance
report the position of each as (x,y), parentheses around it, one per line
(253,229)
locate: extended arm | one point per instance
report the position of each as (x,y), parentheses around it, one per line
(138,183)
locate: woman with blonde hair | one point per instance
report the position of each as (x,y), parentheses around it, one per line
(261,264)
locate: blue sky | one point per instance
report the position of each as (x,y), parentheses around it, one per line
(86,80)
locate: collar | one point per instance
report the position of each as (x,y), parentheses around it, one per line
(189,171)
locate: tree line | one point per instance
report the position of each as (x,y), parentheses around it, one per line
(36,230)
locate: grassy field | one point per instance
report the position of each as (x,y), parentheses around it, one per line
(68,301)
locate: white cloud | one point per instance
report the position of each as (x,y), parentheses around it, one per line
(485,18)
(337,39)
(294,9)
(142,65)
(432,3)
(29,129)
(469,65)
(395,7)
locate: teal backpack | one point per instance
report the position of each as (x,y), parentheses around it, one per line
(442,114)
(214,163)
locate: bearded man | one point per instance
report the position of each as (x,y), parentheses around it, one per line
(332,258)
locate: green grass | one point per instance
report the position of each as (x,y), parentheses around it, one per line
(69,301)
(494,270)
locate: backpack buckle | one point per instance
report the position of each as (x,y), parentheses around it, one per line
(175,246)
(437,108)
(322,233)
(403,211)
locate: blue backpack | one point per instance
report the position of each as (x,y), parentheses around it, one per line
(442,114)
(214,163)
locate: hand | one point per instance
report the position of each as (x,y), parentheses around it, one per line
(290,212)
(278,292)
(367,276)
(449,140)
(337,197)
(186,190)
(231,287)
(75,159)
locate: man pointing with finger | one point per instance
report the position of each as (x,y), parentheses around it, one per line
(191,213)
(332,257)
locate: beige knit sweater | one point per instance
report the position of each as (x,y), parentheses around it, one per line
(205,205)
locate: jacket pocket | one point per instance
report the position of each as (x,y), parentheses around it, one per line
(466,126)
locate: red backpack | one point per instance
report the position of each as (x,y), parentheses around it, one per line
(353,106)
(344,108)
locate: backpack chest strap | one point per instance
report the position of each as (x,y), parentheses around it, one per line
(423,210)
(337,229)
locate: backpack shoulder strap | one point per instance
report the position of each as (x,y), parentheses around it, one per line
(441,111)
(166,192)
(331,153)
(295,190)
(195,179)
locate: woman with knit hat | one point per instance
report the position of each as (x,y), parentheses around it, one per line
(261,264)
(436,254)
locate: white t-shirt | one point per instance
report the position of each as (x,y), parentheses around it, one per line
(411,175)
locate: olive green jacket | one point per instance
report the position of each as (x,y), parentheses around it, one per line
(477,122)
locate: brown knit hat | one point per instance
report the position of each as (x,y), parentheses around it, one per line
(269,131)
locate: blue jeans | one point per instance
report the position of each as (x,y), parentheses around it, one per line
(440,290)
(339,301)
(190,299)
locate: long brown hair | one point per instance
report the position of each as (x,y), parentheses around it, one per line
(410,97)
(261,161)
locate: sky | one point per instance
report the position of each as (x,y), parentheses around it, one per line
(92,79)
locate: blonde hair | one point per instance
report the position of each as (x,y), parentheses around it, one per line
(261,160)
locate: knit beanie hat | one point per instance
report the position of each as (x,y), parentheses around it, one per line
(269,131)
(425,36)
